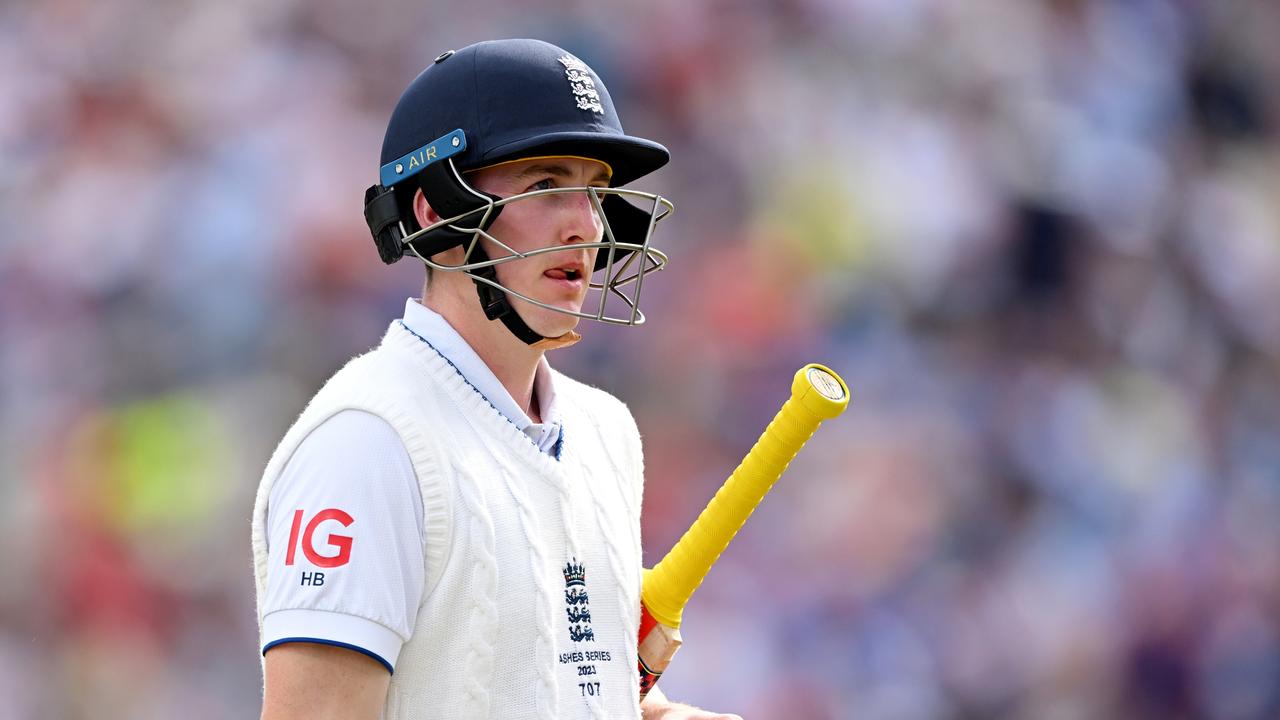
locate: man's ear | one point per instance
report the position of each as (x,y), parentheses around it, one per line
(422,210)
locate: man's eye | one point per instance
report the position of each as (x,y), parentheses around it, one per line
(546,184)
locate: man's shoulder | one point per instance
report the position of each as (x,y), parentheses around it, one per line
(380,381)
(379,355)
(579,390)
(385,365)
(589,398)
(381,394)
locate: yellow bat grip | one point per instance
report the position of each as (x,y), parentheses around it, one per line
(817,394)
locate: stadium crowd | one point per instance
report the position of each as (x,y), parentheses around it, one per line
(1041,240)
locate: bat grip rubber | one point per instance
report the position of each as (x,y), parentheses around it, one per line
(668,586)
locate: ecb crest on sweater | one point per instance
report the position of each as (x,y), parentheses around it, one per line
(576,602)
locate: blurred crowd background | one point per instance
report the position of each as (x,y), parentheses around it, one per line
(1040,239)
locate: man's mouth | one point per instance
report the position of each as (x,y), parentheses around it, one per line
(570,275)
(567,273)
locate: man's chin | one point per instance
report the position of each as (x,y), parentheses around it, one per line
(561,325)
(549,323)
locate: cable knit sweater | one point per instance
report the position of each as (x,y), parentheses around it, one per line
(531,603)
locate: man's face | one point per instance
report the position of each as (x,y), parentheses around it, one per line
(564,220)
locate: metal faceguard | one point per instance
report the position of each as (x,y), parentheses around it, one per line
(623,254)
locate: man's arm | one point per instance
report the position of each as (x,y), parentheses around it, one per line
(308,681)
(344,531)
(656,706)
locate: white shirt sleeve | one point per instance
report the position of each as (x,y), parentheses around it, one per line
(345,541)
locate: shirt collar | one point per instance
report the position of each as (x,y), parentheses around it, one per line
(431,326)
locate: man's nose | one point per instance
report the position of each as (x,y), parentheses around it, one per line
(583,223)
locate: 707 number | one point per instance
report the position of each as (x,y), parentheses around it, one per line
(592,688)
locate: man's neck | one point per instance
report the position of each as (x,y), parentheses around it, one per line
(514,363)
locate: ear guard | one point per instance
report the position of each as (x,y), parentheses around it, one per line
(388,204)
(383,217)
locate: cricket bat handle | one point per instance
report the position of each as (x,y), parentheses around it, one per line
(817,394)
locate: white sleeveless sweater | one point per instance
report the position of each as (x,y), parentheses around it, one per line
(530,607)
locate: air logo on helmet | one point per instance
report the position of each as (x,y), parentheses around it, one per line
(584,87)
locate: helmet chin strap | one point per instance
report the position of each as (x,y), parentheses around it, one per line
(565,340)
(497,306)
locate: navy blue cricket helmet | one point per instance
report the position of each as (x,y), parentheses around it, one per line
(503,100)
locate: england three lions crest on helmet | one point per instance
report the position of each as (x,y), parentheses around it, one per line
(584,87)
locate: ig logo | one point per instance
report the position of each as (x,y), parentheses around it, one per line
(340,542)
